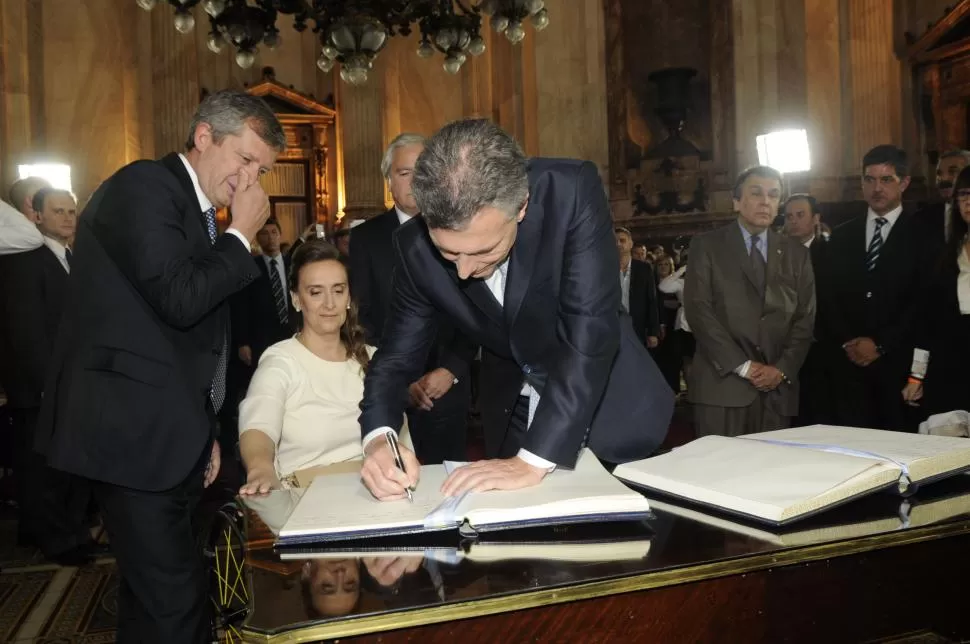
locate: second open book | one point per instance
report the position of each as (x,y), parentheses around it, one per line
(339,507)
(778,477)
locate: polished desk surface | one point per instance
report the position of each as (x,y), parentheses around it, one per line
(309,599)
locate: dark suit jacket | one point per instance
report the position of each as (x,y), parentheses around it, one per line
(33,290)
(560,325)
(934,217)
(255,322)
(127,395)
(643,301)
(732,323)
(884,304)
(371,270)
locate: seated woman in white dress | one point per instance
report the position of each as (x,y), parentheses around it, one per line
(302,405)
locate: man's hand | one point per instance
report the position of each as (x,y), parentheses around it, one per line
(496,474)
(250,205)
(386,571)
(437,382)
(912,393)
(382,477)
(419,398)
(260,481)
(768,378)
(754,370)
(212,469)
(652,342)
(246,355)
(862,351)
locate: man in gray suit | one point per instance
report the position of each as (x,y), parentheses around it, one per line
(750,301)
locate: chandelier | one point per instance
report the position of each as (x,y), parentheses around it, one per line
(353,32)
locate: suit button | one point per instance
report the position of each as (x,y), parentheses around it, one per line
(507,410)
(869,295)
(526,369)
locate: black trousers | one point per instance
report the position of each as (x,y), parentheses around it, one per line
(53,505)
(441,434)
(515,431)
(872,396)
(163,590)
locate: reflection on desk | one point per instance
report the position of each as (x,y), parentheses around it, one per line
(320,597)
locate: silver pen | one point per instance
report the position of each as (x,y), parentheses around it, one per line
(391,438)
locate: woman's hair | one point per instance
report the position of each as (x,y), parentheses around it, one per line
(667,261)
(957,234)
(351,332)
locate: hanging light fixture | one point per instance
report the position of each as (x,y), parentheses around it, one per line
(353,32)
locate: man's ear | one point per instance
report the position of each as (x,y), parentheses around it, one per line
(525,206)
(904,183)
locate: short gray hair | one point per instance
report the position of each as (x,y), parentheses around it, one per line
(466,166)
(228,111)
(400,141)
(24,188)
(965,154)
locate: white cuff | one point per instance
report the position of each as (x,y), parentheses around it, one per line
(240,237)
(742,370)
(921,360)
(536,461)
(377,433)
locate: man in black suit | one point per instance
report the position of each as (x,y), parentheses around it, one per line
(803,219)
(520,256)
(32,296)
(440,398)
(138,373)
(879,265)
(638,291)
(937,216)
(263,314)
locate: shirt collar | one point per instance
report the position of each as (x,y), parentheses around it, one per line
(59,249)
(204,202)
(402,217)
(808,242)
(763,235)
(890,216)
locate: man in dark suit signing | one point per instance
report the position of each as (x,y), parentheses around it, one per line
(638,291)
(440,398)
(138,374)
(881,265)
(520,256)
(750,300)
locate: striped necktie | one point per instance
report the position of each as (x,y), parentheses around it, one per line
(872,253)
(276,285)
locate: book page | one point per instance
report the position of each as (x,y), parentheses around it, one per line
(575,552)
(339,504)
(772,482)
(925,456)
(588,490)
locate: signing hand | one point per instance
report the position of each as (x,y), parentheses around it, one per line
(436,383)
(382,477)
(246,355)
(260,481)
(249,206)
(767,378)
(496,474)
(212,469)
(419,398)
(862,351)
(912,392)
(387,570)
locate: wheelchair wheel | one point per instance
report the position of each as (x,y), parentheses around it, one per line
(224,549)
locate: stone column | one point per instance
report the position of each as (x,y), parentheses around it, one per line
(361,144)
(823,97)
(175,81)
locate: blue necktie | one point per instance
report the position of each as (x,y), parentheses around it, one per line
(210,224)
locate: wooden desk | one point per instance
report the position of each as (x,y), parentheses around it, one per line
(698,583)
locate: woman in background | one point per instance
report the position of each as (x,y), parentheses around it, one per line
(302,406)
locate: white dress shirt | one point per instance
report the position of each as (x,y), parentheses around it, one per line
(963,282)
(625,287)
(674,284)
(402,217)
(59,250)
(205,204)
(887,227)
(496,284)
(808,242)
(17,233)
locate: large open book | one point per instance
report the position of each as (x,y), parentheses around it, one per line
(339,507)
(779,477)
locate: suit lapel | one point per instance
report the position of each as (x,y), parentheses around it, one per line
(775,256)
(477,291)
(176,167)
(522,260)
(741,253)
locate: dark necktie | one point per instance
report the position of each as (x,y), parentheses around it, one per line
(67,256)
(758,263)
(872,253)
(279,295)
(210,224)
